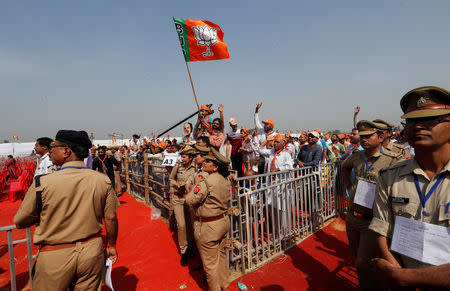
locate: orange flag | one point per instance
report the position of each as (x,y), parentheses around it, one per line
(201,40)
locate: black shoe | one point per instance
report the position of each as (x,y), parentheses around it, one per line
(197,267)
(191,252)
(184,260)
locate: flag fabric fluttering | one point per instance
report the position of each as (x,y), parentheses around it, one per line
(201,40)
(15,137)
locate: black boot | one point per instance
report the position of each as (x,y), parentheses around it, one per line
(184,260)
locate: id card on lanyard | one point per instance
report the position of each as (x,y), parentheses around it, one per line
(365,191)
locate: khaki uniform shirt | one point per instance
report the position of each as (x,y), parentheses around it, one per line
(180,175)
(74,203)
(399,149)
(357,161)
(211,196)
(395,186)
(202,175)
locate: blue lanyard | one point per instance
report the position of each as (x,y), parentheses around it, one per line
(424,199)
(381,150)
(369,167)
(72,167)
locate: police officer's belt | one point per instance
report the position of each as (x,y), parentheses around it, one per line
(209,219)
(361,215)
(46,248)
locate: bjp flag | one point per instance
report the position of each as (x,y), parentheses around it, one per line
(15,137)
(201,40)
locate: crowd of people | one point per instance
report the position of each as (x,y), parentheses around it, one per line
(387,172)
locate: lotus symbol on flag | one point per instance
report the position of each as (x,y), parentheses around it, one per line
(205,35)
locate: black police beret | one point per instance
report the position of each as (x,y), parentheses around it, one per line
(74,137)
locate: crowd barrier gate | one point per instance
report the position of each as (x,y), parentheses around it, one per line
(12,266)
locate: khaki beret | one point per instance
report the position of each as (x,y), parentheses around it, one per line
(366,127)
(200,150)
(388,124)
(425,101)
(214,155)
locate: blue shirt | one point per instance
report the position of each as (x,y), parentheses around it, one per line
(310,156)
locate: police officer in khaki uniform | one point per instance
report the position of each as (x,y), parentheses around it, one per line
(177,180)
(210,199)
(70,206)
(392,146)
(199,153)
(418,189)
(366,165)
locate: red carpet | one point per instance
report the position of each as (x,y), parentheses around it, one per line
(149,260)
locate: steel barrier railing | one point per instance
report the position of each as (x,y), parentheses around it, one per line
(12,266)
(278,209)
(274,210)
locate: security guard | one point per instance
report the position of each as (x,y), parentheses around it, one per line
(178,177)
(210,199)
(391,146)
(69,206)
(365,165)
(417,189)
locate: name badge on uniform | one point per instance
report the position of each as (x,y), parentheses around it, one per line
(399,200)
(365,193)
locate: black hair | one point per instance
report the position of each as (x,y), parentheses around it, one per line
(10,156)
(220,123)
(103,147)
(44,141)
(175,146)
(80,151)
(204,139)
(135,136)
(223,170)
(190,125)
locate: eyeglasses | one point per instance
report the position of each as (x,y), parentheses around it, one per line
(427,121)
(52,146)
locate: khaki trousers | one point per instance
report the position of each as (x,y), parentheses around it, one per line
(184,222)
(362,243)
(209,237)
(78,268)
(118,185)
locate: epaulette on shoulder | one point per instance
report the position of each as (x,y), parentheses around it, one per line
(395,166)
(399,146)
(390,153)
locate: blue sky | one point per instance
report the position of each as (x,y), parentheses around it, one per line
(116,66)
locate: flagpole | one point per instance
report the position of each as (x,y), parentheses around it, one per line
(192,85)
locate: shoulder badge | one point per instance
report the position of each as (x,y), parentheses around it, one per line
(196,189)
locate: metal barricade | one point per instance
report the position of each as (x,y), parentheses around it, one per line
(276,210)
(12,266)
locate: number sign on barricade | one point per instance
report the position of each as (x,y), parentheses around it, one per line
(170,160)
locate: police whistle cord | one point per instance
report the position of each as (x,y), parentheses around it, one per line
(180,122)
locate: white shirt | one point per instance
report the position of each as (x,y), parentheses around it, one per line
(43,165)
(261,132)
(283,160)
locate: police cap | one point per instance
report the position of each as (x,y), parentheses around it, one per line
(214,155)
(425,101)
(366,127)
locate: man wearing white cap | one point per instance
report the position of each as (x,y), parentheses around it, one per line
(234,142)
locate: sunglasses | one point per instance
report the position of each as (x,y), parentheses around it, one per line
(427,121)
